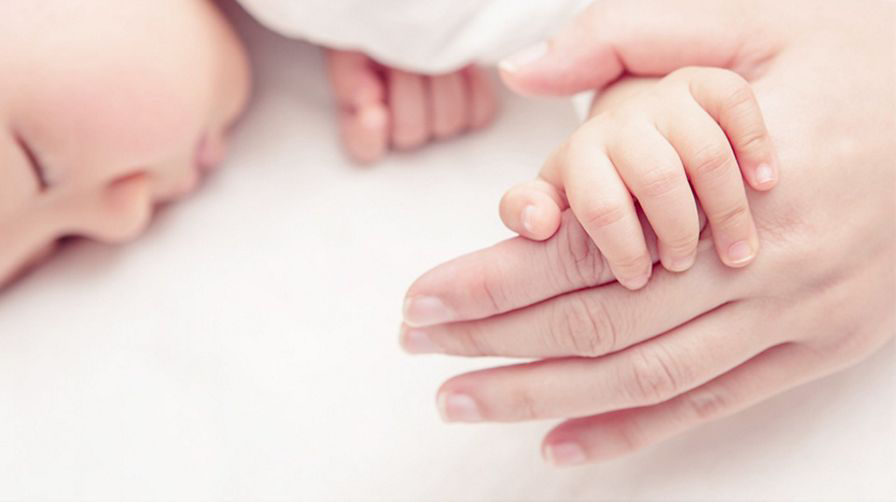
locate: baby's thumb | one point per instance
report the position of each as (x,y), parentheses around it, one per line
(616,37)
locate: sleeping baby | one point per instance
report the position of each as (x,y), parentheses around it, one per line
(111,108)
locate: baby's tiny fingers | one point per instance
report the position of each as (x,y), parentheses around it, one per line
(604,206)
(365,132)
(712,168)
(532,209)
(448,104)
(730,100)
(483,101)
(652,170)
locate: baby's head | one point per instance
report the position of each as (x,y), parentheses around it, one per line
(107,108)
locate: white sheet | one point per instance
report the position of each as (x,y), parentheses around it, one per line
(246,348)
(433,36)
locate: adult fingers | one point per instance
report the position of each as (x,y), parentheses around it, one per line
(609,435)
(641,38)
(509,275)
(586,323)
(645,374)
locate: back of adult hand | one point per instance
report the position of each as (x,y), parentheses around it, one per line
(632,368)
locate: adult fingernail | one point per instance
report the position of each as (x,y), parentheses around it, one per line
(417,341)
(524,57)
(458,408)
(566,453)
(426,311)
(528,218)
(764,174)
(740,252)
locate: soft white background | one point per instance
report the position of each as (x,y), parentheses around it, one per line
(246,347)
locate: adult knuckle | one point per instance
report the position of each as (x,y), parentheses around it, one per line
(580,261)
(525,406)
(582,328)
(474,340)
(708,404)
(651,377)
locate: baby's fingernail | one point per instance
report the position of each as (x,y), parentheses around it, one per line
(764,174)
(528,218)
(566,453)
(524,57)
(740,252)
(426,311)
(682,263)
(458,408)
(637,282)
(417,341)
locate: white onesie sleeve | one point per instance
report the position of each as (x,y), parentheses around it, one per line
(426,36)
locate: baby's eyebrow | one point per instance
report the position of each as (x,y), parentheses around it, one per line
(36,167)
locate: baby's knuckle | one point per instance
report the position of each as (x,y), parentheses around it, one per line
(658,182)
(752,140)
(630,265)
(683,243)
(733,217)
(602,213)
(711,161)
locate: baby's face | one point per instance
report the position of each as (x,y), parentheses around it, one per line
(107,108)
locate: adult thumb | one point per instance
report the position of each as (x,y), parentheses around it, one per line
(643,38)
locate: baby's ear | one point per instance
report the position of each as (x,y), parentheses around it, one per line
(116,213)
(615,37)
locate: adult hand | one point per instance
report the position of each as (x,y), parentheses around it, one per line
(632,368)
(382,107)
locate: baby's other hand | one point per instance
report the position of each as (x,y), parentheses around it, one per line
(383,108)
(686,138)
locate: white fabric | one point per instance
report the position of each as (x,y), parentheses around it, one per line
(432,36)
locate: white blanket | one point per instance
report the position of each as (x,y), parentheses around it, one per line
(431,36)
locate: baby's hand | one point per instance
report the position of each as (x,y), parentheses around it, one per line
(701,125)
(383,107)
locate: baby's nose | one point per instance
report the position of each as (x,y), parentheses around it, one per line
(211,150)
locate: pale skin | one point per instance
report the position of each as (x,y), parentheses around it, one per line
(382,108)
(108,109)
(698,127)
(627,369)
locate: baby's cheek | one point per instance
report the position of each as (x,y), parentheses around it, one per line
(126,124)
